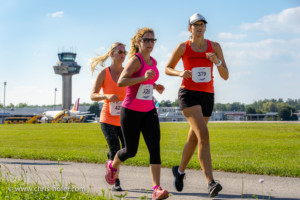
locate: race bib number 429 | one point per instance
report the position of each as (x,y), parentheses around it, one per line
(115,108)
(201,74)
(145,92)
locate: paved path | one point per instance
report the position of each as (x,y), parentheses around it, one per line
(137,181)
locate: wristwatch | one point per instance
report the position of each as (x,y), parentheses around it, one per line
(220,63)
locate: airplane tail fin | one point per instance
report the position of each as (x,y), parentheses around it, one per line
(76,105)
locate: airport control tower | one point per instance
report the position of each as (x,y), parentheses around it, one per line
(66,67)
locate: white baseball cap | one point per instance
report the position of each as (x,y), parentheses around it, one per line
(197,17)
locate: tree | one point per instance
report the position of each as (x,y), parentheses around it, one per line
(219,107)
(11,105)
(94,108)
(175,103)
(285,113)
(166,103)
(22,105)
(250,110)
(270,107)
(237,106)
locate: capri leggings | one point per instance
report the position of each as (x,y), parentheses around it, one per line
(132,124)
(114,138)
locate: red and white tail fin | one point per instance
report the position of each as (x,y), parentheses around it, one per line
(76,105)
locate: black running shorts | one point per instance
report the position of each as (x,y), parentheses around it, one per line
(189,98)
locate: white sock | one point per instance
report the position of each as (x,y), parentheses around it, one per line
(180,172)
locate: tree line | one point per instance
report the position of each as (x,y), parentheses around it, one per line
(285,109)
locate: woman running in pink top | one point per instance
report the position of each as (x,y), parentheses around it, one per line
(138,112)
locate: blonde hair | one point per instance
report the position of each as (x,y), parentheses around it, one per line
(134,48)
(101,59)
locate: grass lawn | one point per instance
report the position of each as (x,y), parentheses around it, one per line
(268,148)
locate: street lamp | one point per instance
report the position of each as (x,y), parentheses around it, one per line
(55,97)
(3,103)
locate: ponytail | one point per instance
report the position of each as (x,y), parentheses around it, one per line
(101,59)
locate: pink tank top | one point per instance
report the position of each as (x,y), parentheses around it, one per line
(138,97)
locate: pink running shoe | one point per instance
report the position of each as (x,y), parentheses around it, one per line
(110,175)
(159,193)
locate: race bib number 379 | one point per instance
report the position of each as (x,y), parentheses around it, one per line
(201,74)
(145,92)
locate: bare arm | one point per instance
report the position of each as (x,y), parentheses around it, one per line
(223,70)
(176,55)
(95,96)
(131,67)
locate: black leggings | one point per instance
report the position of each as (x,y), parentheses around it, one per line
(113,136)
(134,122)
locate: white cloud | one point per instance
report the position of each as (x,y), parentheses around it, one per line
(185,34)
(56,14)
(231,36)
(27,94)
(286,21)
(240,75)
(160,52)
(100,49)
(270,50)
(286,76)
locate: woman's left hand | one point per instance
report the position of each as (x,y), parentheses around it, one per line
(160,88)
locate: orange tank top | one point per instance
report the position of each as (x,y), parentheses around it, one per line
(109,113)
(201,67)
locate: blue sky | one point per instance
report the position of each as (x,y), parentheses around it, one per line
(260,41)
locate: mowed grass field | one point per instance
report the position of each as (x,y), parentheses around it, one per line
(258,148)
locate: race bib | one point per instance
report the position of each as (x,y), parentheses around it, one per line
(201,74)
(115,108)
(145,92)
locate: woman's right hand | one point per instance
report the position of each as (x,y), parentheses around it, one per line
(112,97)
(186,74)
(150,74)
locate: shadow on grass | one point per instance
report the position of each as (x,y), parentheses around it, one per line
(232,196)
(33,163)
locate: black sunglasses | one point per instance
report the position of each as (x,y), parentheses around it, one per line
(120,52)
(153,40)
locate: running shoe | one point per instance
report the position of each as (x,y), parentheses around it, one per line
(178,178)
(159,193)
(214,188)
(117,185)
(110,175)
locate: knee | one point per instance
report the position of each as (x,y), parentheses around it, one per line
(131,154)
(128,153)
(204,141)
(192,142)
(155,159)
(204,138)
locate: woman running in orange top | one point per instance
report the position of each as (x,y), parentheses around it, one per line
(196,96)
(113,96)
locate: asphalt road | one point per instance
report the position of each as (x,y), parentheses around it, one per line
(137,181)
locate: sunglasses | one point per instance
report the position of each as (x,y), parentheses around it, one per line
(153,40)
(120,52)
